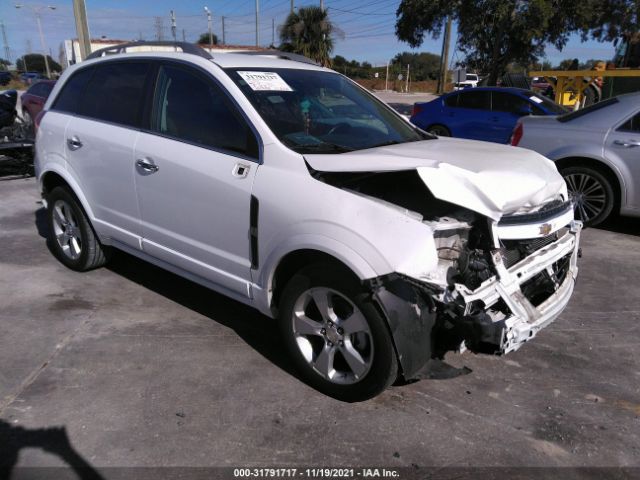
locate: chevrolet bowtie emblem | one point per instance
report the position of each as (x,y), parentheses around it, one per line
(545,229)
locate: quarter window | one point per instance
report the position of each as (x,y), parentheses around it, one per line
(451,101)
(190,107)
(70,98)
(116,92)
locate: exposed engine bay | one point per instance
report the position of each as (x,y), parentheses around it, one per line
(496,283)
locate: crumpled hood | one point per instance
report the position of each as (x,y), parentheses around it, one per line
(487,178)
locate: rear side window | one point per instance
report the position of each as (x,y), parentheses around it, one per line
(190,107)
(69,99)
(115,93)
(477,100)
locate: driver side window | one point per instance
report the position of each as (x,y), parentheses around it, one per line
(190,107)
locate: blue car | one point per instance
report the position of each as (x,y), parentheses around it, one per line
(483,113)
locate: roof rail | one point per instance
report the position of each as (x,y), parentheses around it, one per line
(280,54)
(122,48)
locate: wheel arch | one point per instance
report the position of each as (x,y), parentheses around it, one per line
(293,261)
(605,169)
(53,178)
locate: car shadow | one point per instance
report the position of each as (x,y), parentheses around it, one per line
(256,330)
(51,440)
(619,224)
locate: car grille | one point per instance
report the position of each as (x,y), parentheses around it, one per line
(515,250)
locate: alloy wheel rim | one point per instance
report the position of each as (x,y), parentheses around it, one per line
(332,335)
(66,230)
(588,195)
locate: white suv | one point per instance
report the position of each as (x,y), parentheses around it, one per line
(286,186)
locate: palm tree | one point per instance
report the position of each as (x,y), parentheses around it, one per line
(308,32)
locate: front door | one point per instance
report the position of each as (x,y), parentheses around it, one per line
(623,145)
(194,175)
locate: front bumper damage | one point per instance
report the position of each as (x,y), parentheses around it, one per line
(497,317)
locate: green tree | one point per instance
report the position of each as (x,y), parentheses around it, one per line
(203,39)
(494,33)
(422,66)
(35,63)
(4,64)
(308,32)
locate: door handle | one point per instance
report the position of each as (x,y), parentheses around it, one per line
(240,170)
(147,165)
(627,144)
(74,143)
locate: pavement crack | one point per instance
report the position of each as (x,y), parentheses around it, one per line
(33,376)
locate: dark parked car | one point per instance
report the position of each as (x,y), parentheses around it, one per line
(31,77)
(34,99)
(5,78)
(483,113)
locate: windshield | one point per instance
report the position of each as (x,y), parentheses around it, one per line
(314,111)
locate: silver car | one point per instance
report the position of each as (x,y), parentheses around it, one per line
(596,150)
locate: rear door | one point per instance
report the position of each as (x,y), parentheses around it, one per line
(195,169)
(100,142)
(472,115)
(506,108)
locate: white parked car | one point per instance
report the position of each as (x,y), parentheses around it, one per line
(288,187)
(471,81)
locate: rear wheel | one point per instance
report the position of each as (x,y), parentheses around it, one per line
(591,193)
(439,130)
(71,237)
(336,337)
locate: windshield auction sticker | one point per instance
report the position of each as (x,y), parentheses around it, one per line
(265,81)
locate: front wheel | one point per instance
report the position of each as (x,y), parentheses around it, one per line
(338,340)
(591,192)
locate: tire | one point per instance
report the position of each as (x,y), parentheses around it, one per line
(594,206)
(439,130)
(349,366)
(71,237)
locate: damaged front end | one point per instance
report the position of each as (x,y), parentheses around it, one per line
(496,283)
(491,292)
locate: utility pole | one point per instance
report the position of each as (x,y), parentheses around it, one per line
(209,21)
(82,28)
(291,7)
(444,58)
(386,79)
(184,37)
(224,42)
(159,26)
(257,15)
(273,32)
(407,82)
(321,4)
(173,26)
(7,50)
